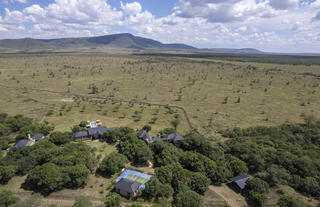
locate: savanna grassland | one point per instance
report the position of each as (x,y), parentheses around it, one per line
(206,94)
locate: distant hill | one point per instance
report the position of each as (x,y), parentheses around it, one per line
(243,50)
(124,40)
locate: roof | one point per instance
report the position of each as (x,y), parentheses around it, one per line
(81,134)
(127,185)
(37,137)
(175,137)
(21,143)
(145,136)
(97,131)
(241,180)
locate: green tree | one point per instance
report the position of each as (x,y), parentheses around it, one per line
(60,138)
(46,179)
(188,199)
(112,164)
(288,201)
(78,175)
(146,128)
(257,185)
(113,200)
(7,198)
(6,173)
(4,142)
(82,202)
(155,189)
(175,123)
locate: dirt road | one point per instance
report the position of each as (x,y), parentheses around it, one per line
(232,199)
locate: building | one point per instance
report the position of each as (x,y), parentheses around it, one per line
(175,138)
(241,180)
(93,133)
(130,182)
(37,137)
(27,142)
(19,144)
(127,188)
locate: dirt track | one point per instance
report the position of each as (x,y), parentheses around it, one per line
(232,202)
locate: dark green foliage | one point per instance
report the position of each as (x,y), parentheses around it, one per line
(161,202)
(197,143)
(188,199)
(4,142)
(60,138)
(6,173)
(82,202)
(46,178)
(236,166)
(156,189)
(17,122)
(113,200)
(257,185)
(112,164)
(83,124)
(112,136)
(175,123)
(7,198)
(175,175)
(288,201)
(4,130)
(288,153)
(146,128)
(257,190)
(78,128)
(77,176)
(135,149)
(165,153)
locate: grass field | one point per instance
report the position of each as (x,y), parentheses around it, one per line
(134,91)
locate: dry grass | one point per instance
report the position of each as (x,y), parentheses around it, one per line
(269,94)
(274,196)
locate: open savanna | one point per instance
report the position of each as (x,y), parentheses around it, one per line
(137,90)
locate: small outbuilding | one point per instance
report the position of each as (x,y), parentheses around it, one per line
(127,188)
(19,144)
(37,137)
(241,180)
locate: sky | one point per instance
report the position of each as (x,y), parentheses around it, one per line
(290,26)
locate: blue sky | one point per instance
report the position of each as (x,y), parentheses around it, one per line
(269,25)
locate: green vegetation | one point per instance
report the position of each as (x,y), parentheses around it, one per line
(82,202)
(112,164)
(7,198)
(288,154)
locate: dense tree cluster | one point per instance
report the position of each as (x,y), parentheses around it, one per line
(112,164)
(49,167)
(22,126)
(288,153)
(136,150)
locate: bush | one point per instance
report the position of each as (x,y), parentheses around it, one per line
(112,164)
(45,179)
(60,138)
(113,201)
(188,199)
(7,198)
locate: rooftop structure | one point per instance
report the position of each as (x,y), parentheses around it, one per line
(241,180)
(127,188)
(169,138)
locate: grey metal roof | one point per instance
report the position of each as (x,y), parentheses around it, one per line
(81,134)
(145,136)
(21,143)
(37,137)
(127,185)
(174,137)
(97,131)
(241,180)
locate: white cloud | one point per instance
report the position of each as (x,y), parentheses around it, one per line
(13,1)
(223,10)
(131,8)
(284,4)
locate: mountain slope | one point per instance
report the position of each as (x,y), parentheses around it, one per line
(113,41)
